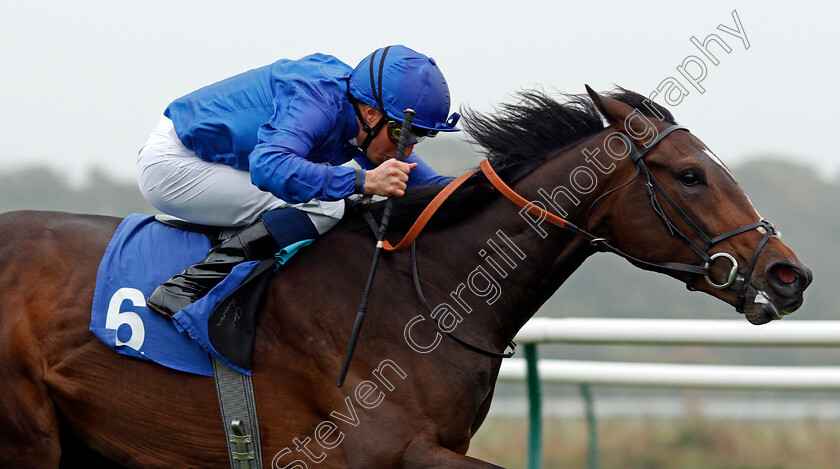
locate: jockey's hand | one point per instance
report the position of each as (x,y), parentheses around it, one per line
(389,178)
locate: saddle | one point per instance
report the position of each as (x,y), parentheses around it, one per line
(229,331)
(216,234)
(231,326)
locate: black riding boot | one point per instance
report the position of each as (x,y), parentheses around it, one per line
(252,243)
(276,229)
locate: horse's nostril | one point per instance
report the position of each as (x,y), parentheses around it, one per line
(788,278)
(785,273)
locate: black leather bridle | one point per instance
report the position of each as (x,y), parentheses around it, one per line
(653,186)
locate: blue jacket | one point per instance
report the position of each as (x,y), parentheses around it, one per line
(289,124)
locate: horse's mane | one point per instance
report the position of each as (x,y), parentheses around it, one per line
(516,138)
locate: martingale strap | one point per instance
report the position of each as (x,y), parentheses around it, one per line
(487,353)
(408,240)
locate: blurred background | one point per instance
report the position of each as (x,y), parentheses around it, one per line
(82,84)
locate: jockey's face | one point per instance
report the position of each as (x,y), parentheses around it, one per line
(381,147)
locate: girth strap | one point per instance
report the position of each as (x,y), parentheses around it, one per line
(239,416)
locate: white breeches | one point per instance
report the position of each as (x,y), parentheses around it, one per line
(177,182)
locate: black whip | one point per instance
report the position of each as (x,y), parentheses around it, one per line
(405,134)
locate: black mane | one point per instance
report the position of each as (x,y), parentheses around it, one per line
(516,138)
(537,127)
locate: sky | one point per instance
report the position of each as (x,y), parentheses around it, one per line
(83,83)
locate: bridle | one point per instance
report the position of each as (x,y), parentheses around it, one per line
(652,187)
(768,229)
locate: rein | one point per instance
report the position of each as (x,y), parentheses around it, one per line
(427,213)
(652,187)
(408,240)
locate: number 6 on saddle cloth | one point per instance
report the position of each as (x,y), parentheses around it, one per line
(142,254)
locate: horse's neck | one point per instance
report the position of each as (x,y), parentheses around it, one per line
(503,264)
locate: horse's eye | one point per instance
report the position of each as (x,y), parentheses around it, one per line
(689,178)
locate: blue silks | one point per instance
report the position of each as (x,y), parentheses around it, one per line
(289,124)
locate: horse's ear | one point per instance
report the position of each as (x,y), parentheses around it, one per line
(613,110)
(624,117)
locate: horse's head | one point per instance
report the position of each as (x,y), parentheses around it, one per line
(684,209)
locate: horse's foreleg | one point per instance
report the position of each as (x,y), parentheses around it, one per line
(424,453)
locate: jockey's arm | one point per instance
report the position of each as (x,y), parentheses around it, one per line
(278,163)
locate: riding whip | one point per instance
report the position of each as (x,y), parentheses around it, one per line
(405,135)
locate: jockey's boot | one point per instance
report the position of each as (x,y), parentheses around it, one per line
(274,230)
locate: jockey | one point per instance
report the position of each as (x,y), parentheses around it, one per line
(265,149)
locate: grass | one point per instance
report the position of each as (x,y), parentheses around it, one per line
(689,443)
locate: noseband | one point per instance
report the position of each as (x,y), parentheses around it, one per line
(652,186)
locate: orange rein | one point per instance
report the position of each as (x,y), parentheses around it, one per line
(430,210)
(518,199)
(494,179)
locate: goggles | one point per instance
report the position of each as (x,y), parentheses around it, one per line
(417,134)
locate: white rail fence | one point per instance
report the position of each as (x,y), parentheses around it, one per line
(663,375)
(678,332)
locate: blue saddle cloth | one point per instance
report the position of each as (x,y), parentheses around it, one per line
(142,254)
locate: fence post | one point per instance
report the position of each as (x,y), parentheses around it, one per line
(591,424)
(535,456)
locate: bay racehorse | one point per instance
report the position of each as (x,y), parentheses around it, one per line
(414,397)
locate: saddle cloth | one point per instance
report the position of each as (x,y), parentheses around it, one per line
(144,253)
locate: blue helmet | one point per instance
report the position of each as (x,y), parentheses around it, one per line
(396,78)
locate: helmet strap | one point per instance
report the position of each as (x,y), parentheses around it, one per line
(377,95)
(377,90)
(370,131)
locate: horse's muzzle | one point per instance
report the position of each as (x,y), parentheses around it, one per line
(785,283)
